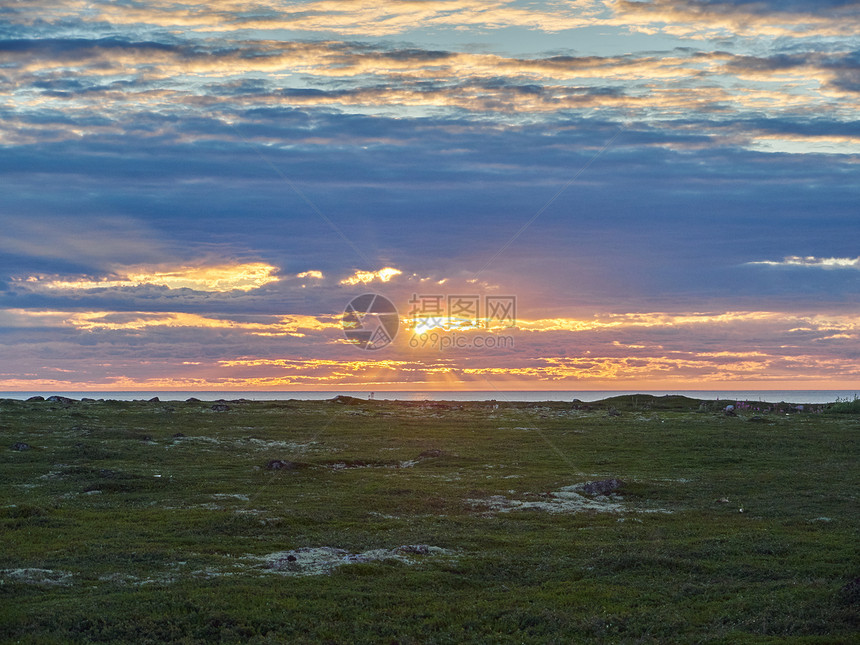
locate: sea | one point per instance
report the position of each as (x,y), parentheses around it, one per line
(770,396)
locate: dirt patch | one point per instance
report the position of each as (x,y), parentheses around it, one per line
(311,561)
(247,443)
(562,501)
(36,576)
(568,499)
(352,464)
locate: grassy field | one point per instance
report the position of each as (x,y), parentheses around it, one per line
(381,522)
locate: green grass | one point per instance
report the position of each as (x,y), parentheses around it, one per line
(846,406)
(114,530)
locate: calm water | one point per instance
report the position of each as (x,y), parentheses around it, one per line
(772,396)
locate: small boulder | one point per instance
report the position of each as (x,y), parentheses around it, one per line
(20,446)
(155,399)
(602,487)
(60,399)
(34,399)
(192,399)
(280,464)
(220,407)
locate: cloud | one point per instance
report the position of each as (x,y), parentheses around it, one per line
(96,240)
(711,19)
(684,18)
(115,321)
(357,17)
(176,350)
(810,261)
(366,277)
(214,278)
(107,89)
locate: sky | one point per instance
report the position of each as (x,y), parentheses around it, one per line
(568,195)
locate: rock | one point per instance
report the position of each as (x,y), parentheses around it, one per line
(155,399)
(191,399)
(34,399)
(88,400)
(21,447)
(602,487)
(220,407)
(291,558)
(280,464)
(60,399)
(178,435)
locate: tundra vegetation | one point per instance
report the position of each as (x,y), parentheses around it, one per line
(636,519)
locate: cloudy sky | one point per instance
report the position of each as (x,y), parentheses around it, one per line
(668,191)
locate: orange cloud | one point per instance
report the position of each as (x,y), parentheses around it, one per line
(213,278)
(366,277)
(292,325)
(709,20)
(681,18)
